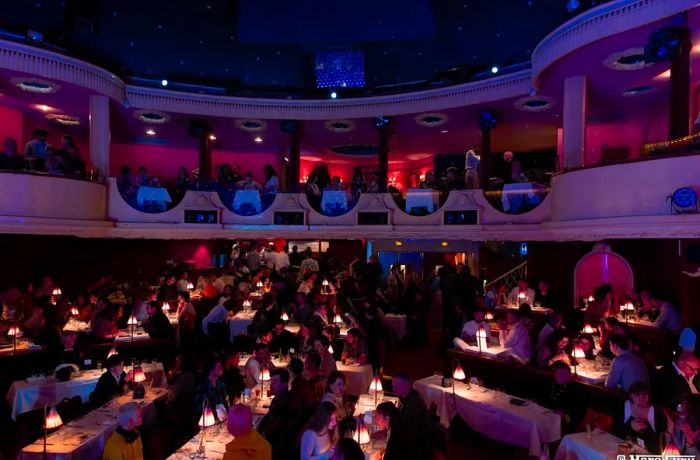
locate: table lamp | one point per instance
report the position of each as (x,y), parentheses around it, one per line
(205,421)
(324,285)
(264,377)
(375,388)
(457,374)
(52,420)
(246,305)
(57,292)
(330,349)
(489,316)
(132,323)
(13,332)
(587,329)
(361,435)
(591,298)
(284,316)
(337,319)
(139,377)
(577,354)
(74,311)
(165,307)
(521,298)
(112,351)
(482,339)
(190,286)
(259,285)
(670,450)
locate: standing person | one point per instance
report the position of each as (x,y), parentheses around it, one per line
(308,264)
(247,443)
(252,258)
(320,433)
(125,443)
(471,168)
(37,148)
(295,257)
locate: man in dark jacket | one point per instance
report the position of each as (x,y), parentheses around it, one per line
(414,413)
(678,378)
(111,383)
(281,424)
(563,400)
(157,324)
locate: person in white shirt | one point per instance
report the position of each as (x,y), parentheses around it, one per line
(183,282)
(553,324)
(308,264)
(307,283)
(521,294)
(514,338)
(278,260)
(260,359)
(471,168)
(218,315)
(472,327)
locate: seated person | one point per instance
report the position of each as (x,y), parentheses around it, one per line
(521,294)
(626,368)
(260,359)
(669,316)
(641,420)
(564,400)
(555,349)
(472,327)
(335,393)
(347,427)
(587,343)
(125,443)
(10,158)
(355,349)
(414,413)
(157,325)
(282,339)
(111,383)
(105,323)
(280,426)
(232,376)
(686,429)
(212,390)
(302,390)
(328,365)
(553,323)
(247,443)
(496,296)
(399,445)
(513,336)
(678,378)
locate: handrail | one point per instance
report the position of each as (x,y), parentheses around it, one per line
(512,276)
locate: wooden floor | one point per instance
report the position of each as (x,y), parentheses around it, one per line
(420,361)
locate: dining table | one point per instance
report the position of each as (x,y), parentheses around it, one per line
(595,445)
(32,393)
(240,322)
(493,413)
(85,437)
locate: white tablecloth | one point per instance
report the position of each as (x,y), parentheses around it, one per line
(240,323)
(396,325)
(333,199)
(125,335)
(491,350)
(157,194)
(419,197)
(601,446)
(24,396)
(23,347)
(251,197)
(528,426)
(514,194)
(85,438)
(75,325)
(359,377)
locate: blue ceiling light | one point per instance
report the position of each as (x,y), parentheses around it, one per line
(683,201)
(494,69)
(164,82)
(572,5)
(381,121)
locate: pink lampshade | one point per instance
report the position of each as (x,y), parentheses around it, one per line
(324,283)
(264,375)
(629,306)
(376,385)
(458,373)
(330,349)
(489,316)
(112,351)
(246,304)
(13,331)
(207,419)
(284,316)
(337,319)
(590,298)
(56,291)
(481,333)
(521,296)
(259,285)
(53,420)
(362,435)
(670,449)
(139,374)
(578,352)
(165,307)
(74,311)
(587,329)
(190,286)
(132,321)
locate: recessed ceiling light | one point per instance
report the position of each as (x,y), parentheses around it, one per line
(152,116)
(33,85)
(212,137)
(258,139)
(43,108)
(150,132)
(443,131)
(63,119)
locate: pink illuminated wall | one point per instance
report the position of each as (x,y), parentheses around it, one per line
(11,124)
(595,269)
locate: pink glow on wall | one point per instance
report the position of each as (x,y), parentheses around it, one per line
(202,257)
(595,269)
(11,125)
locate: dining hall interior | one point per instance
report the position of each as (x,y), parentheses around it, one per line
(326,231)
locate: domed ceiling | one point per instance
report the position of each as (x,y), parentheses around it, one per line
(271,47)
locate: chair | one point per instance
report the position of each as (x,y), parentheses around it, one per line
(596,419)
(70,408)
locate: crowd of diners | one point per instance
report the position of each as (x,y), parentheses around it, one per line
(310,416)
(40,155)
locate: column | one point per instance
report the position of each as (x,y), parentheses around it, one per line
(293,128)
(574,124)
(383,171)
(679,109)
(485,164)
(99,135)
(205,156)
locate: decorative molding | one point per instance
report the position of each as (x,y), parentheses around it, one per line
(600,22)
(493,89)
(48,64)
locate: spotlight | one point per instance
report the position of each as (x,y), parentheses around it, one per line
(164,82)
(334,95)
(258,139)
(684,200)
(212,137)
(494,69)
(150,132)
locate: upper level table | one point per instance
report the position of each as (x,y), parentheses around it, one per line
(158,195)
(422,198)
(334,199)
(250,197)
